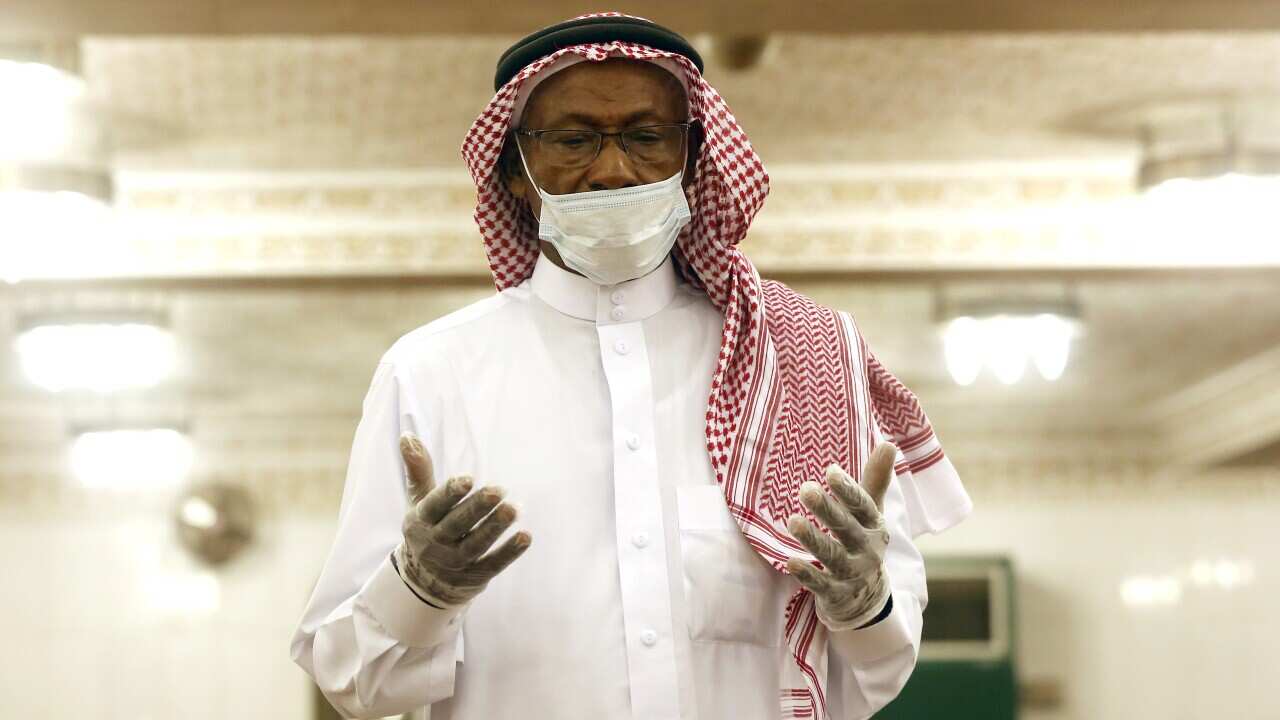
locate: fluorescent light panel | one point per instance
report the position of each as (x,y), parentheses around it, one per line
(98,356)
(1006,344)
(131,459)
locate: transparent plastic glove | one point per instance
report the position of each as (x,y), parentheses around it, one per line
(447,533)
(853,587)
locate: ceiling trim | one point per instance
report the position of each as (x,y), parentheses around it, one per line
(735,17)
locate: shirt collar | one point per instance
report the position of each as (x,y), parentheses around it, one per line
(581,298)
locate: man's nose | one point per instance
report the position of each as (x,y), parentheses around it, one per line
(612,168)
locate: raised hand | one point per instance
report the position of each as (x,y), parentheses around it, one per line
(447,533)
(854,586)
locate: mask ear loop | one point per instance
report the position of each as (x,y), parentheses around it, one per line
(523,163)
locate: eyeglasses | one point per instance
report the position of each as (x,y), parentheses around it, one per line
(647,145)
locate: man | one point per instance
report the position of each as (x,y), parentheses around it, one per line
(671,427)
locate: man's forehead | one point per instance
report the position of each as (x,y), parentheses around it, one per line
(617,87)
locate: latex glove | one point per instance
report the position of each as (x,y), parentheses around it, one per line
(446,533)
(854,586)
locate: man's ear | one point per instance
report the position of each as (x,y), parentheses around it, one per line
(511,169)
(695,149)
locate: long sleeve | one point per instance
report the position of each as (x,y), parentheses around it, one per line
(371,645)
(868,667)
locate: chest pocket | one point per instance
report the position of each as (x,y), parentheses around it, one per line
(733,595)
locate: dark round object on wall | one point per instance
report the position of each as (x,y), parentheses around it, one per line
(215,521)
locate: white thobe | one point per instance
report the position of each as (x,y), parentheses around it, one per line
(639,597)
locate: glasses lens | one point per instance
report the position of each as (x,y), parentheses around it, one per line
(655,145)
(569,148)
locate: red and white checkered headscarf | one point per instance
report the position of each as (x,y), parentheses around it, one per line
(795,387)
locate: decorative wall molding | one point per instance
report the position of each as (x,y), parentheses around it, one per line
(419,224)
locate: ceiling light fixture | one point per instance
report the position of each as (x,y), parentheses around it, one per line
(97,352)
(1005,337)
(131,459)
(55,190)
(1210,178)
(41,102)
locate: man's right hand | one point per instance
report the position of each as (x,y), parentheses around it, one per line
(446,533)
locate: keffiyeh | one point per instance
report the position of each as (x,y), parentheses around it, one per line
(795,387)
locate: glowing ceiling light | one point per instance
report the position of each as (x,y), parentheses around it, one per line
(1005,342)
(199,513)
(101,357)
(1006,348)
(1224,220)
(39,109)
(962,345)
(1210,176)
(1050,344)
(57,223)
(131,459)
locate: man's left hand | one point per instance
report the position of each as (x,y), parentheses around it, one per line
(854,586)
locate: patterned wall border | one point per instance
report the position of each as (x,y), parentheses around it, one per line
(418,223)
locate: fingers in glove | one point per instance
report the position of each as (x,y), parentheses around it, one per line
(437,504)
(461,519)
(853,497)
(838,519)
(487,532)
(418,464)
(824,547)
(498,560)
(878,473)
(818,582)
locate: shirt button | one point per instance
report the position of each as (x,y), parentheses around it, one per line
(640,539)
(617,297)
(621,348)
(649,637)
(618,313)
(633,441)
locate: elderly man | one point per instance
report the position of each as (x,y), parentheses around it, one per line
(672,428)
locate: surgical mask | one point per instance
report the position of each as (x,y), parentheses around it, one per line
(612,236)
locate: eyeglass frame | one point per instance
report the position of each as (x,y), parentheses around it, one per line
(537,135)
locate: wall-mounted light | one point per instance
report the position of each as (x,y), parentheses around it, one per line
(1210,177)
(55,186)
(215,521)
(96,351)
(130,459)
(57,222)
(1006,337)
(41,103)
(1151,591)
(1223,574)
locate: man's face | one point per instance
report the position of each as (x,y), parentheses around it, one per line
(609,96)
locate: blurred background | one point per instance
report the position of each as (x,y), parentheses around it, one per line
(1059,223)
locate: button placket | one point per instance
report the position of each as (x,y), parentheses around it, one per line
(642,554)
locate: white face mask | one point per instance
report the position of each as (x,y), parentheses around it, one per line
(612,236)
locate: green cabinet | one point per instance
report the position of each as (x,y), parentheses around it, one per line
(967,668)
